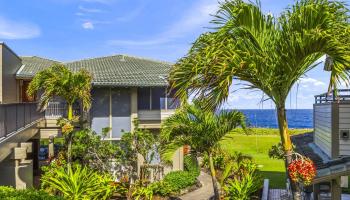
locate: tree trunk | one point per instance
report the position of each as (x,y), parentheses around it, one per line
(70,112)
(70,135)
(213,177)
(69,149)
(287,144)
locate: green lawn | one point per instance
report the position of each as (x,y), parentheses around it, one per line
(257,145)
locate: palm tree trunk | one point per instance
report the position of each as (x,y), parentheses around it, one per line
(70,112)
(70,135)
(287,144)
(213,177)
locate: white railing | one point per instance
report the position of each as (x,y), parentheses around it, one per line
(58,109)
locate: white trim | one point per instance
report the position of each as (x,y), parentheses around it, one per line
(166,99)
(150,98)
(20,69)
(110,113)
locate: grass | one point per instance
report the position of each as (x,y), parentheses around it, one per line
(257,144)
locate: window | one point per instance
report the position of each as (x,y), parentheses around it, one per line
(143,98)
(158,98)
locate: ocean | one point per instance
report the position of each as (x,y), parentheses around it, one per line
(267,118)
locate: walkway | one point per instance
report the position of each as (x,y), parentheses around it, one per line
(203,193)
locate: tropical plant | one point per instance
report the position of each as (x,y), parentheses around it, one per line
(77,182)
(141,141)
(243,186)
(269,53)
(191,164)
(277,151)
(59,81)
(202,130)
(10,193)
(91,150)
(140,191)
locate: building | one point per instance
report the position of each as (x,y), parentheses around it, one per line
(124,88)
(329,145)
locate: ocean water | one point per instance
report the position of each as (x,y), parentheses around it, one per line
(297,118)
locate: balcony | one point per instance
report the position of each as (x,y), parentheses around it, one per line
(166,109)
(16,117)
(342,96)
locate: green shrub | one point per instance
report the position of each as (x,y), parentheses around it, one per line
(161,188)
(178,180)
(158,188)
(218,160)
(191,165)
(244,183)
(78,183)
(9,193)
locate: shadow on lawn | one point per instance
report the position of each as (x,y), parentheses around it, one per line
(276,179)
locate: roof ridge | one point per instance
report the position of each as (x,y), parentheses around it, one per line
(148,59)
(49,59)
(115,55)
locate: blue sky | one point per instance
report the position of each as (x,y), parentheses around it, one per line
(68,30)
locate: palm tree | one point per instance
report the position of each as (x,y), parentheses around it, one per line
(59,81)
(200,129)
(269,53)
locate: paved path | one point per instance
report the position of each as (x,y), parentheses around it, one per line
(203,193)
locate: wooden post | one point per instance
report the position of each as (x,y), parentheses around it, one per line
(335,189)
(316,191)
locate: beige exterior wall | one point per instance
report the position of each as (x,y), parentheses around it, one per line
(9,64)
(7,145)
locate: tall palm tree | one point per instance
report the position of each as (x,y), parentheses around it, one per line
(59,81)
(200,129)
(270,53)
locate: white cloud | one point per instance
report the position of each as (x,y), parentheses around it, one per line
(195,18)
(89,10)
(307,82)
(100,1)
(80,14)
(131,14)
(11,29)
(88,25)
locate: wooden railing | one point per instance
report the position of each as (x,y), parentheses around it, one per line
(16,116)
(342,95)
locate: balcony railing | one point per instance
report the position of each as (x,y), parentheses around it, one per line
(14,117)
(169,103)
(342,95)
(58,109)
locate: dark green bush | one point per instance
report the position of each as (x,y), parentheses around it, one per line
(161,188)
(9,193)
(178,180)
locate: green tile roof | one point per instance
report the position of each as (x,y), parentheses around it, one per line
(118,70)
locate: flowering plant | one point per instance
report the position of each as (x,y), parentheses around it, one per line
(302,170)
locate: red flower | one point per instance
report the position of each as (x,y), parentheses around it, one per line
(302,170)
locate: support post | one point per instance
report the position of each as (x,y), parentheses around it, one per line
(110,113)
(335,189)
(133,109)
(51,147)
